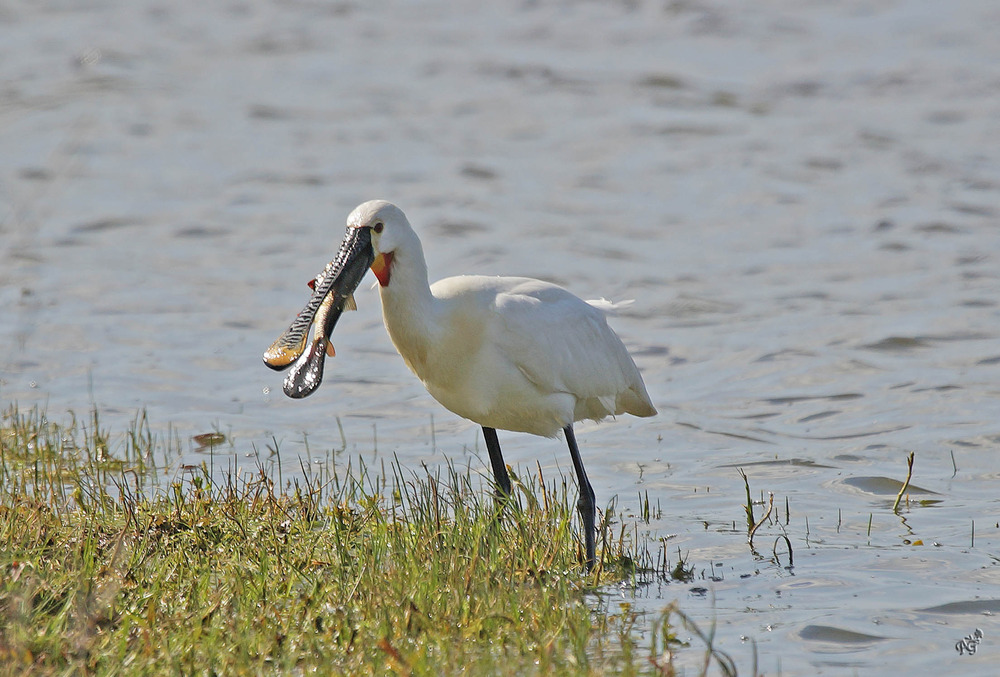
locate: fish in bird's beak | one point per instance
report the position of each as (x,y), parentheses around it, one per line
(333,291)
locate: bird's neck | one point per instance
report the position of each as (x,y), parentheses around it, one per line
(409,308)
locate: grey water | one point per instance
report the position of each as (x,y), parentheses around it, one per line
(802,198)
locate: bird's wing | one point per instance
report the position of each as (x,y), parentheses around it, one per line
(562,344)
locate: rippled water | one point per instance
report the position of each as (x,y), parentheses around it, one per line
(803,199)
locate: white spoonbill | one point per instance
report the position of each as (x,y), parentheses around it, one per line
(509,353)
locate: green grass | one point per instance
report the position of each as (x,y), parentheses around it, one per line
(106,570)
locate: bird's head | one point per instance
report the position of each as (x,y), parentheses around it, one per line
(376,231)
(388,231)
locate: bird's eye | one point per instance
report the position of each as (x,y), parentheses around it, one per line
(378,227)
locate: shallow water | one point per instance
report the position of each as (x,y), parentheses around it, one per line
(803,199)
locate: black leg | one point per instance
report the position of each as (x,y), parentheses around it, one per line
(496,460)
(587,504)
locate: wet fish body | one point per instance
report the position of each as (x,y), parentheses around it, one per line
(333,291)
(292,343)
(307,372)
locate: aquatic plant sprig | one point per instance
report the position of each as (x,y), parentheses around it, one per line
(906,482)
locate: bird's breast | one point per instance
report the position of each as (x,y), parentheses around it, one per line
(437,341)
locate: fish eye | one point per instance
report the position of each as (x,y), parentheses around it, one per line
(378,227)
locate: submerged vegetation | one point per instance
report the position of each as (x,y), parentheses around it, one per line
(106,569)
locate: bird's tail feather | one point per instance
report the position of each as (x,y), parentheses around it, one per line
(610,307)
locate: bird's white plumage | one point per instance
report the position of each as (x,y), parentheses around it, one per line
(505,352)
